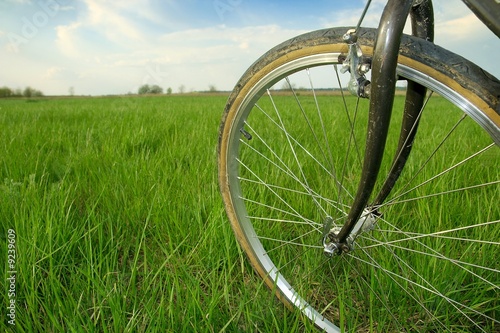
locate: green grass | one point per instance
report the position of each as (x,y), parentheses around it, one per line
(121,228)
(119,222)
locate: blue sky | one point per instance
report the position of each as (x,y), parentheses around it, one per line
(101,47)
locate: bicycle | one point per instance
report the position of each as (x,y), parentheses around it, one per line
(369,198)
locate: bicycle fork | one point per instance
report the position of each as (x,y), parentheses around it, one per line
(381,90)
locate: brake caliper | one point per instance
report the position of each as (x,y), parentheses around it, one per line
(357,65)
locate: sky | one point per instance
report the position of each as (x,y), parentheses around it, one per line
(102,47)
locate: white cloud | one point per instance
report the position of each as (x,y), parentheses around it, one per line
(456,29)
(113,46)
(52,72)
(68,40)
(461,28)
(103,24)
(107,41)
(106,17)
(351,16)
(57,73)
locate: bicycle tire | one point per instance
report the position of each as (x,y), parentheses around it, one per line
(247,191)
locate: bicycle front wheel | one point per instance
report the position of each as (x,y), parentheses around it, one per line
(291,150)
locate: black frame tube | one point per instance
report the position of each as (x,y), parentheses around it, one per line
(422,23)
(488,12)
(383,84)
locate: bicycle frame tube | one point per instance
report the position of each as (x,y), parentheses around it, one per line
(381,100)
(422,20)
(488,12)
(422,23)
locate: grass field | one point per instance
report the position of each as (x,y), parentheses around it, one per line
(118,221)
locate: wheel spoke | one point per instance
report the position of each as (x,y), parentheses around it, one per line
(453,167)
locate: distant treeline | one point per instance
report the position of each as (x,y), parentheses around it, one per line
(26,92)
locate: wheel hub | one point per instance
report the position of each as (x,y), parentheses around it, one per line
(331,245)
